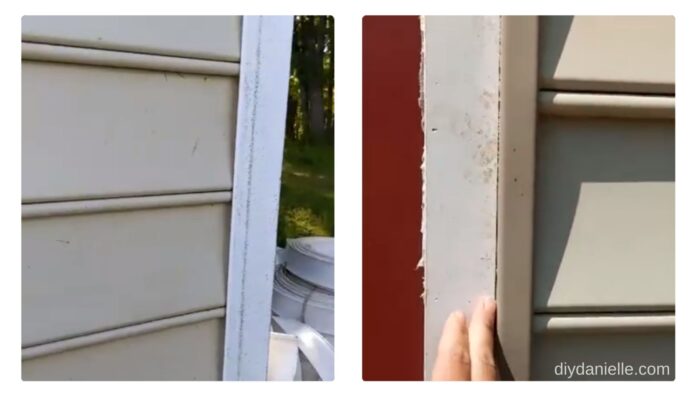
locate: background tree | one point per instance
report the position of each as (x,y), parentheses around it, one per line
(307,192)
(310,116)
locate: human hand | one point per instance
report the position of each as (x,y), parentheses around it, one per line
(466,352)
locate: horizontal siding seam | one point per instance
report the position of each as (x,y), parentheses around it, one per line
(66,208)
(605,86)
(606,105)
(121,59)
(605,323)
(121,333)
(603,309)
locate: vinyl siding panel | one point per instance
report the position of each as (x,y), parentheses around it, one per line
(189,352)
(127,165)
(204,37)
(95,132)
(634,349)
(603,266)
(611,54)
(92,272)
(604,216)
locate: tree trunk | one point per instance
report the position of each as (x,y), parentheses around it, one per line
(316,114)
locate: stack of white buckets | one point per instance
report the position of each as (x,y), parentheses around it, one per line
(302,307)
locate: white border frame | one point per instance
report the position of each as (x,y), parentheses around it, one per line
(262,108)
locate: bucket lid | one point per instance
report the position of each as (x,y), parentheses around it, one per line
(312,259)
(320,248)
(296,299)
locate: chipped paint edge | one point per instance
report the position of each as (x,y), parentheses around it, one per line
(421,105)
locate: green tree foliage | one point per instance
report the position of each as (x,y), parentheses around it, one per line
(307,194)
(310,109)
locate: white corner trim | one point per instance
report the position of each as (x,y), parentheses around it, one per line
(262,108)
(461,88)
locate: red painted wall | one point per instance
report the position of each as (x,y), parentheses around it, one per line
(392,308)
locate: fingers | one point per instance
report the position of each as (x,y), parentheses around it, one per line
(452,362)
(467,353)
(481,340)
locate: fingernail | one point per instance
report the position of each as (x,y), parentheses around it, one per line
(458,315)
(487,301)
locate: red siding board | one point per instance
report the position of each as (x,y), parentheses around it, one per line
(392,325)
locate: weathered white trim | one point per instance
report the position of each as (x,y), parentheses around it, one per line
(119,333)
(107,58)
(608,323)
(607,105)
(461,85)
(262,107)
(122,204)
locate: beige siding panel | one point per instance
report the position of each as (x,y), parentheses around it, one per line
(92,272)
(604,227)
(95,132)
(204,37)
(606,53)
(634,349)
(191,352)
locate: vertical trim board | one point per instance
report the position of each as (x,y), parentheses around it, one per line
(461,56)
(262,107)
(516,193)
